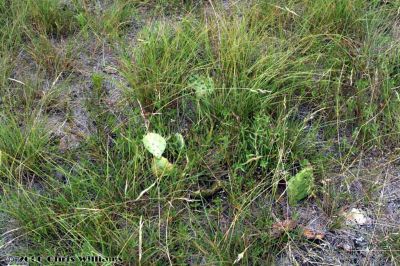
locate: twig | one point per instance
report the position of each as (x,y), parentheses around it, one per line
(146,122)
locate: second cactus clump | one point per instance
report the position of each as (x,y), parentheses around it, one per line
(156,144)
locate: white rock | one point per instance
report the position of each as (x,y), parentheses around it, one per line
(357,217)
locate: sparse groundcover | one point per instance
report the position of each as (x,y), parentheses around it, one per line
(252,132)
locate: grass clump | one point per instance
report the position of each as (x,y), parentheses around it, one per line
(162,61)
(52,17)
(107,20)
(49,58)
(23,149)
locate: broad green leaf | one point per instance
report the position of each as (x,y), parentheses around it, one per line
(300,185)
(161,167)
(155,144)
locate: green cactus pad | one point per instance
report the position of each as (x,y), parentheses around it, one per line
(180,140)
(161,167)
(300,185)
(203,86)
(155,144)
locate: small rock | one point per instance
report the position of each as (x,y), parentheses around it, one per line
(356,217)
(360,243)
(346,247)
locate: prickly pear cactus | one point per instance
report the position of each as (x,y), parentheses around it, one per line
(155,144)
(180,141)
(300,185)
(203,86)
(161,167)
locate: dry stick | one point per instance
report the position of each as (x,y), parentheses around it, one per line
(215,188)
(218,26)
(140,239)
(368,255)
(146,122)
(166,234)
(159,209)
(17,81)
(286,9)
(338,116)
(144,191)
